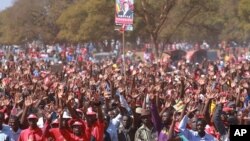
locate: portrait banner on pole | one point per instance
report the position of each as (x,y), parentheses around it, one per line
(124,14)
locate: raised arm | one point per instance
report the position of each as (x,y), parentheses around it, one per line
(205,111)
(154,114)
(217,119)
(47,125)
(238,91)
(60,112)
(71,110)
(183,124)
(99,111)
(27,104)
(171,130)
(186,102)
(182,89)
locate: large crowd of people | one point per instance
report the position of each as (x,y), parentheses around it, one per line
(77,100)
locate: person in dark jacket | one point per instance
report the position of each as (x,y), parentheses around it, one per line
(126,11)
(126,130)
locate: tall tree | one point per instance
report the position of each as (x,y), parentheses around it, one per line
(70,21)
(29,20)
(159,16)
(88,20)
(244,15)
(205,24)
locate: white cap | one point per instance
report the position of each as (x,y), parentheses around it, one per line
(202,97)
(40,122)
(66,115)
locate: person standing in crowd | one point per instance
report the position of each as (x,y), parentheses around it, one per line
(94,125)
(78,132)
(147,131)
(33,133)
(110,132)
(198,135)
(15,128)
(5,130)
(126,130)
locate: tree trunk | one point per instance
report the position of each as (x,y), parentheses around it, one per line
(155,45)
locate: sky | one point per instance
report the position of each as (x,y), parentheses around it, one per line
(5,3)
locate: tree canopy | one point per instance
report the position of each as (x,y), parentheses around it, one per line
(79,21)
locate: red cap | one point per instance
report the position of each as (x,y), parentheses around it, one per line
(77,123)
(227,109)
(90,111)
(200,116)
(32,116)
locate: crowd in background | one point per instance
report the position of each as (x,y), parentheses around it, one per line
(78,100)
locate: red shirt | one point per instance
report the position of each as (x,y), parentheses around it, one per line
(76,138)
(80,58)
(31,134)
(59,134)
(96,130)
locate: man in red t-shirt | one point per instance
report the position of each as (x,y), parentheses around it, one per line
(33,133)
(63,132)
(78,132)
(94,126)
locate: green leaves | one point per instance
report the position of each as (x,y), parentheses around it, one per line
(93,20)
(87,20)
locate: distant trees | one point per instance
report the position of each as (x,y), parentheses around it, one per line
(79,21)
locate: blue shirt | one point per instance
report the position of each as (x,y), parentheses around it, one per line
(70,58)
(193,135)
(5,133)
(36,73)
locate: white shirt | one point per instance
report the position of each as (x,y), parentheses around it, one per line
(193,135)
(112,130)
(116,121)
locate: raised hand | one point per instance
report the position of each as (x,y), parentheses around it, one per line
(6,102)
(190,111)
(48,115)
(187,100)
(1,103)
(182,79)
(210,96)
(60,93)
(175,115)
(151,97)
(167,104)
(222,100)
(28,101)
(237,90)
(201,81)
(17,98)
(70,98)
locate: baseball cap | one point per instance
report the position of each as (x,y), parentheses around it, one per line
(90,111)
(32,116)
